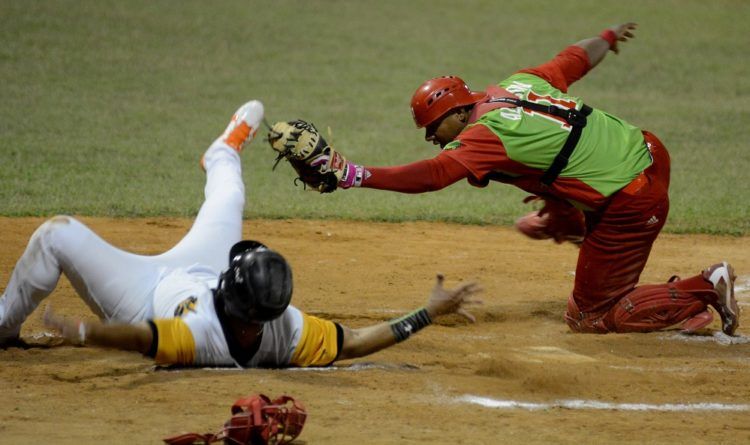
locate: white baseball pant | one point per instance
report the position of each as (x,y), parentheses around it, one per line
(119,285)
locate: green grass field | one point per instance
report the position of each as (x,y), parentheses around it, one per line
(106,107)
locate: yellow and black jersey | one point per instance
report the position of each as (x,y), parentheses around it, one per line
(187,330)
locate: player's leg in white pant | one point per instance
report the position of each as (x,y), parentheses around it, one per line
(218,225)
(115,284)
(219,222)
(118,285)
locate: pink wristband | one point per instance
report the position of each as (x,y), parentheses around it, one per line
(610,37)
(353,175)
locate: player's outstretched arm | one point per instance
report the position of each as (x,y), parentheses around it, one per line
(127,337)
(596,47)
(364,341)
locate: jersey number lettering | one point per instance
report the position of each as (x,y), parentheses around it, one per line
(549,100)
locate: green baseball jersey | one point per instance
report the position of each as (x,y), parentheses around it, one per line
(517,145)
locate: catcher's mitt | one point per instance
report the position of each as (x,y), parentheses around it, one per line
(318,165)
(256,420)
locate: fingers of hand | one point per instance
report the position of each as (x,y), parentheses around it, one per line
(464,313)
(471,288)
(464,290)
(462,294)
(544,212)
(624,31)
(439,279)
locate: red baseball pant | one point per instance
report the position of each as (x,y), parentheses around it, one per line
(614,252)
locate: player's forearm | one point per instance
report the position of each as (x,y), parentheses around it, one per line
(596,49)
(118,336)
(368,340)
(418,177)
(398,179)
(365,341)
(576,60)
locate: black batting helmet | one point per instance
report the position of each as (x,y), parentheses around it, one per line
(257,287)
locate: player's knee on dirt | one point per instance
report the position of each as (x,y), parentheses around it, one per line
(38,269)
(48,230)
(56,237)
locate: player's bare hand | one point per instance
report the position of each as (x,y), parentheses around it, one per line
(623,32)
(448,301)
(73,331)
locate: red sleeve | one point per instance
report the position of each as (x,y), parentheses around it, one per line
(418,177)
(481,152)
(567,67)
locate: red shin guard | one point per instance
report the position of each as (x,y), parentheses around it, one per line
(650,308)
(654,307)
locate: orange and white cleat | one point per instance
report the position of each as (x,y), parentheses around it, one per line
(242,128)
(244,125)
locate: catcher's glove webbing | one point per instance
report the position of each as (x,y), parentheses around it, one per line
(318,165)
(256,420)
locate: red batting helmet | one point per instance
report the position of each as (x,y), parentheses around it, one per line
(440,95)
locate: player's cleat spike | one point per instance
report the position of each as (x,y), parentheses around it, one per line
(722,277)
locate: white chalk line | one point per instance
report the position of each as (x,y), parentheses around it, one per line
(350,368)
(597,405)
(356,367)
(717,337)
(742,284)
(680,369)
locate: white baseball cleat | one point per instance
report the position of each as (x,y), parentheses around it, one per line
(244,125)
(242,128)
(722,277)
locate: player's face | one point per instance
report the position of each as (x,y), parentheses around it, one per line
(445,129)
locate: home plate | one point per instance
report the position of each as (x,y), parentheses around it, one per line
(541,354)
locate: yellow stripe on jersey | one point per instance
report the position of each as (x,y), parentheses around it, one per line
(318,344)
(176,344)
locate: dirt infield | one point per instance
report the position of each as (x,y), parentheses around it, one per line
(516,376)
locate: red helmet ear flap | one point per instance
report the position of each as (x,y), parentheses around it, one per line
(438,96)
